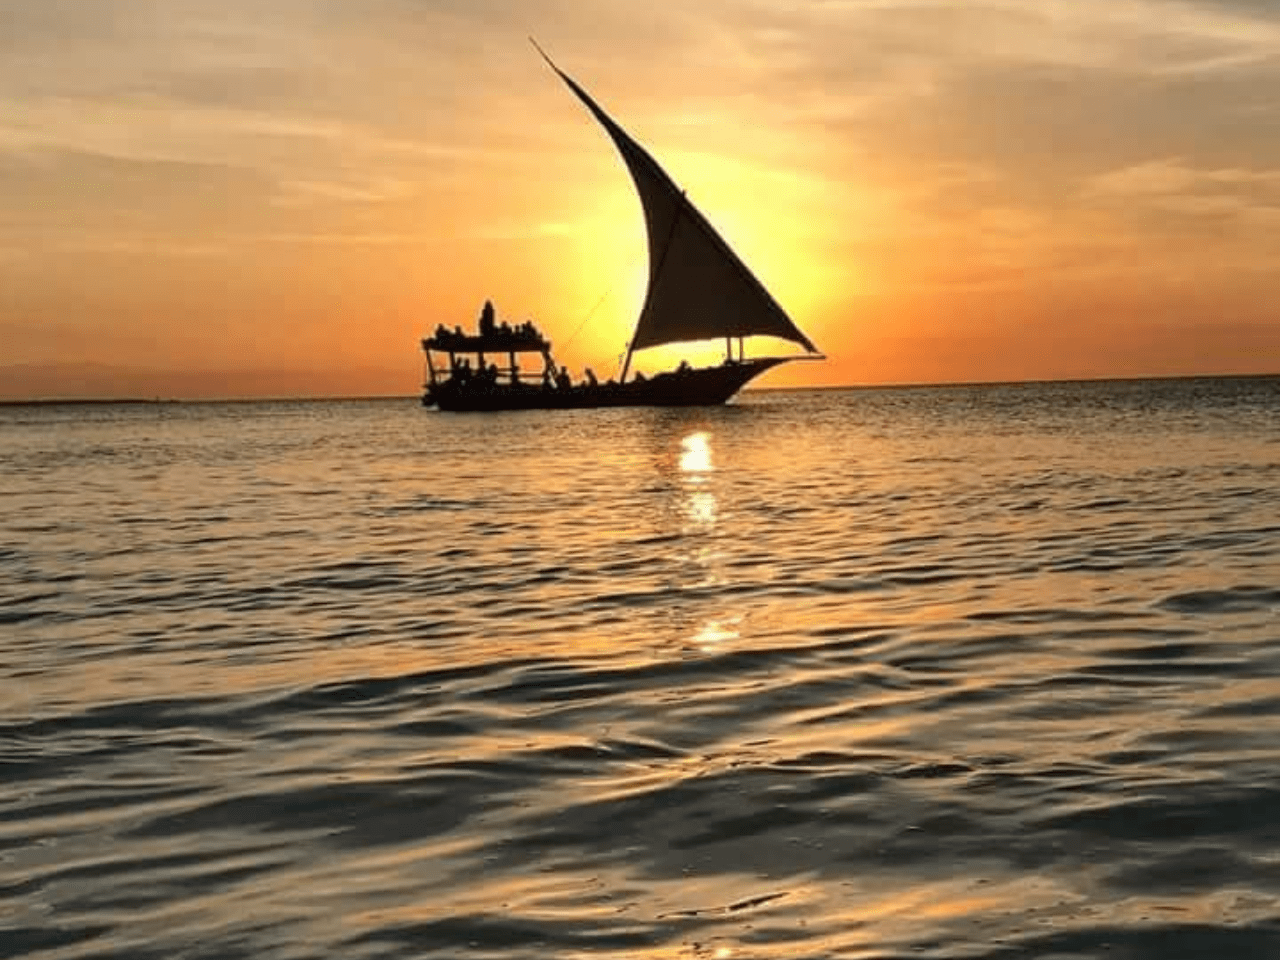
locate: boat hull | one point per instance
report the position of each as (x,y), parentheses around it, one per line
(705,387)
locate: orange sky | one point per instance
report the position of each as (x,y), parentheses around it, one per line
(237,198)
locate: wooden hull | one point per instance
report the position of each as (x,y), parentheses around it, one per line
(706,387)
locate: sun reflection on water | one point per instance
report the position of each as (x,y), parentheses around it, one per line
(700,506)
(714,633)
(695,456)
(701,510)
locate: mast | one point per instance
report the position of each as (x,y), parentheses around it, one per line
(657,271)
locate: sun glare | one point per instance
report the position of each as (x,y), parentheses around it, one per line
(695,456)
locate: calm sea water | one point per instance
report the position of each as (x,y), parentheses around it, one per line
(986,672)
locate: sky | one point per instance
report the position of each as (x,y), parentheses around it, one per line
(280,198)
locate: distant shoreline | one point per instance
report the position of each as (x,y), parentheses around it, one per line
(84,402)
(169,401)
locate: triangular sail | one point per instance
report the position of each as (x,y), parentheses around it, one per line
(698,287)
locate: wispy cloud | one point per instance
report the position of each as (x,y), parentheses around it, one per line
(355,189)
(1174,176)
(142,245)
(521,231)
(1249,197)
(345,239)
(150,128)
(1137,36)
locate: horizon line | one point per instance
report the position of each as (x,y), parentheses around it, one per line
(895,385)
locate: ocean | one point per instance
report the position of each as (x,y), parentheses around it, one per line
(957,672)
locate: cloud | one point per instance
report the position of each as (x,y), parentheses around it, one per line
(1173,176)
(243,81)
(350,238)
(148,246)
(355,189)
(1155,36)
(1249,198)
(522,231)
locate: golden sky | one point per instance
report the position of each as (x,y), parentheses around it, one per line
(241,197)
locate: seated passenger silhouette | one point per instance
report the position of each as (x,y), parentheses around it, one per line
(562,379)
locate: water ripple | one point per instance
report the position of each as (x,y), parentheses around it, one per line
(966,673)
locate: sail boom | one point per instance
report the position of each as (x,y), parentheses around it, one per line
(720,337)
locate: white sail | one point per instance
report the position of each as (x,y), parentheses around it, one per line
(698,287)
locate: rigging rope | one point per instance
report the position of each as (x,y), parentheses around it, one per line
(631,264)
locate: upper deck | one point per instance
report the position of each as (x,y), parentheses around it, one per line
(502,339)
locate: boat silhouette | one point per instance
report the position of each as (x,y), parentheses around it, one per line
(698,289)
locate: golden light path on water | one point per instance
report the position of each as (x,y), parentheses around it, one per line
(696,466)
